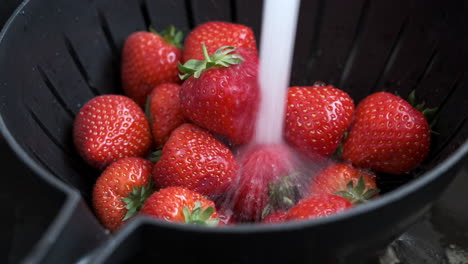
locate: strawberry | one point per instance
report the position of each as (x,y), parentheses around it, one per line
(223,93)
(275,218)
(195,159)
(388,135)
(216,35)
(180,205)
(149,59)
(318,206)
(266,182)
(354,184)
(121,190)
(165,111)
(317,118)
(109,127)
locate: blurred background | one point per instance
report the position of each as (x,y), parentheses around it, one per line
(441,237)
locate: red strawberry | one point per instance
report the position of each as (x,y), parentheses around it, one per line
(177,204)
(109,127)
(354,184)
(223,93)
(149,59)
(275,218)
(194,159)
(388,135)
(216,35)
(165,111)
(318,206)
(121,190)
(266,178)
(316,118)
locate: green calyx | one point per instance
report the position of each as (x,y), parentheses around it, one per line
(154,156)
(283,194)
(135,200)
(357,194)
(200,216)
(171,35)
(429,113)
(223,57)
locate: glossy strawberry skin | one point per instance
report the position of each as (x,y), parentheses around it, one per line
(275,218)
(167,204)
(316,119)
(195,159)
(388,135)
(225,100)
(216,35)
(260,165)
(336,176)
(318,206)
(109,127)
(165,111)
(147,61)
(115,183)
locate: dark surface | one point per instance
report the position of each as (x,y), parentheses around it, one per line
(365,47)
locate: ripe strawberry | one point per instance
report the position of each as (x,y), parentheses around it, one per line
(149,59)
(388,135)
(194,159)
(109,127)
(121,190)
(165,111)
(177,204)
(354,184)
(275,218)
(318,206)
(267,182)
(223,93)
(317,118)
(216,35)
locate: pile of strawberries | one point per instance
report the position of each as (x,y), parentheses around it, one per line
(178,146)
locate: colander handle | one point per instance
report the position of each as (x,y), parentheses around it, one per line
(73,235)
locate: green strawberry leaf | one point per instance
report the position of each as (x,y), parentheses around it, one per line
(357,194)
(221,58)
(200,216)
(172,36)
(135,200)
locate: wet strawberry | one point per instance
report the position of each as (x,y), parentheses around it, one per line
(121,190)
(388,135)
(356,185)
(149,59)
(195,159)
(216,35)
(317,118)
(318,206)
(221,93)
(165,111)
(275,218)
(180,205)
(266,177)
(110,127)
